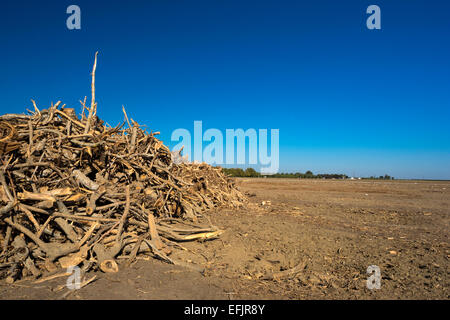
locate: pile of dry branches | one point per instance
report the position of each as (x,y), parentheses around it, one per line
(74,191)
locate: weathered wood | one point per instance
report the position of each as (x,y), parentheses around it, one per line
(68,182)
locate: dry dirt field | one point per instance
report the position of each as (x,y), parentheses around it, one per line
(331,231)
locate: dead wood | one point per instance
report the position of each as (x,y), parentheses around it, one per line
(78,191)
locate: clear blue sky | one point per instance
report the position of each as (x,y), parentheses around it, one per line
(346,99)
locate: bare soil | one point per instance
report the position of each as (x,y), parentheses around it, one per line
(332,229)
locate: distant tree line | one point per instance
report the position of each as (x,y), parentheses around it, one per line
(252,173)
(238,172)
(385,177)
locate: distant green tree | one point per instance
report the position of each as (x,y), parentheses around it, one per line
(309,174)
(250,172)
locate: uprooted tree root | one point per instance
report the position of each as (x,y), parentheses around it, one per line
(74,191)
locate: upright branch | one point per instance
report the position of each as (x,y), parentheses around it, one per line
(93,108)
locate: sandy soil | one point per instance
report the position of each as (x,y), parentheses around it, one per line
(330,231)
